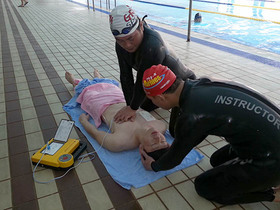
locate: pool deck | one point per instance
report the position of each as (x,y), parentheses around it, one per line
(44,39)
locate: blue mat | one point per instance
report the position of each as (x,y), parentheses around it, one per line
(124,167)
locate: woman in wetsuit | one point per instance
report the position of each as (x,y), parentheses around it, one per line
(139,47)
(248,168)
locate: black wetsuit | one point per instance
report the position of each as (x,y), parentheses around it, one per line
(152,51)
(245,169)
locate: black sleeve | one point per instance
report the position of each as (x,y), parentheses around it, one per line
(126,75)
(188,134)
(154,54)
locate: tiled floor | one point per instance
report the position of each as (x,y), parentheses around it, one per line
(45,38)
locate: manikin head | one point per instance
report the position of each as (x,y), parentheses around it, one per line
(126,27)
(154,142)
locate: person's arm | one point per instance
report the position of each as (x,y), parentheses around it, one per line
(126,75)
(152,54)
(127,82)
(188,135)
(91,129)
(189,132)
(109,141)
(138,92)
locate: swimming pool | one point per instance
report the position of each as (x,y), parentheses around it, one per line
(254,23)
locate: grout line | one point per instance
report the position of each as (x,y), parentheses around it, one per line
(58,84)
(25,179)
(29,70)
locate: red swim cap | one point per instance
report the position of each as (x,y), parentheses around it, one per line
(157,79)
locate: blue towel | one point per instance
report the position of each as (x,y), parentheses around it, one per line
(125,167)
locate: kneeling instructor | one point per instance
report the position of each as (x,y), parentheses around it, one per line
(248,168)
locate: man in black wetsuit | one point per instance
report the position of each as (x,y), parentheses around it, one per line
(139,47)
(248,168)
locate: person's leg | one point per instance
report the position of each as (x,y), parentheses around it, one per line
(71,79)
(276,194)
(22,3)
(222,155)
(96,73)
(239,182)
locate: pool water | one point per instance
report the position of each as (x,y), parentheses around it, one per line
(263,35)
(215,20)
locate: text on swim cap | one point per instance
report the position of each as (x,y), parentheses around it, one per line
(111,19)
(129,16)
(151,82)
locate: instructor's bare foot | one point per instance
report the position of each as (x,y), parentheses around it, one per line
(70,78)
(277,194)
(96,73)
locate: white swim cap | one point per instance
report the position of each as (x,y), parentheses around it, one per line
(123,21)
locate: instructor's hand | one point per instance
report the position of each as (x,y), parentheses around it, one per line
(125,114)
(145,158)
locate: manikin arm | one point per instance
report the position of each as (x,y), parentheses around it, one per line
(110,141)
(106,140)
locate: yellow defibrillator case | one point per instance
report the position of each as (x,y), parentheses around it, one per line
(60,152)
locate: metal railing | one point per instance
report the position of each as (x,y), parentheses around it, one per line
(108,4)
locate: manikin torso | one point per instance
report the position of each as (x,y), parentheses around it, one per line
(126,131)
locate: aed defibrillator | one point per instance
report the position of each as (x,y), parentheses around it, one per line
(60,152)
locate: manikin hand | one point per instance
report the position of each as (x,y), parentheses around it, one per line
(146,159)
(125,114)
(83,118)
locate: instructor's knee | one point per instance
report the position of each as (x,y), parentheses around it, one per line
(201,187)
(205,187)
(207,190)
